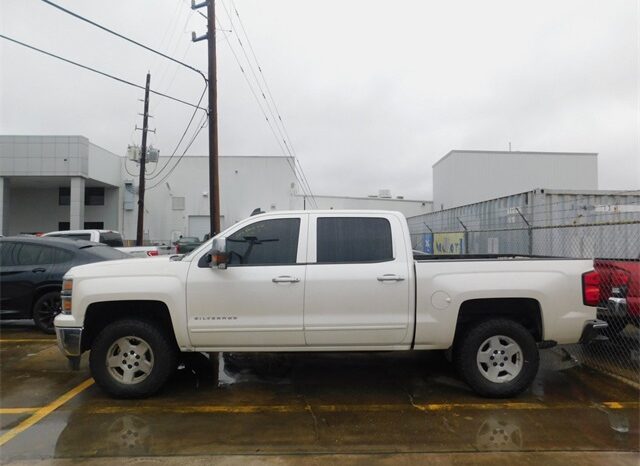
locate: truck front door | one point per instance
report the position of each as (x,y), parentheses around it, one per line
(258,300)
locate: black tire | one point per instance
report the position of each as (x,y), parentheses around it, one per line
(160,358)
(46,308)
(477,374)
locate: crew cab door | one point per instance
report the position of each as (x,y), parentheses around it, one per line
(257,301)
(358,281)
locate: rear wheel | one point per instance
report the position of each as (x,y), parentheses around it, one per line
(46,308)
(132,359)
(498,358)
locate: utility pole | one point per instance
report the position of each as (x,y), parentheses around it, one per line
(214,187)
(143,156)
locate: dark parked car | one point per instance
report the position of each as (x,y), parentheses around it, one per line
(31,271)
(187,244)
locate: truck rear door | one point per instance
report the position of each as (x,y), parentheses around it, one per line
(357,289)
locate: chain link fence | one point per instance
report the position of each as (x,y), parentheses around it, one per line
(604,228)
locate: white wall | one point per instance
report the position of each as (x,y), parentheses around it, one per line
(466,177)
(408,207)
(104,166)
(33,209)
(246,183)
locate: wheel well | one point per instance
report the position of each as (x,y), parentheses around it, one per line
(525,311)
(99,315)
(41,292)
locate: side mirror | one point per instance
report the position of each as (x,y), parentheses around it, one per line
(219,256)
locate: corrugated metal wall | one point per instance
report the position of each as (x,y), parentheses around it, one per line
(543,222)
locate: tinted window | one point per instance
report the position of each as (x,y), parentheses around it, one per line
(7,254)
(105,252)
(111,239)
(29,254)
(346,239)
(64,195)
(62,256)
(46,255)
(266,242)
(74,236)
(93,196)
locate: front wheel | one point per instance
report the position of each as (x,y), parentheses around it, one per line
(46,308)
(498,358)
(132,359)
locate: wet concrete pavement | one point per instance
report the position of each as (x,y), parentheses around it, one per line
(391,408)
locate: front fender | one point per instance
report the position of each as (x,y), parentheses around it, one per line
(168,290)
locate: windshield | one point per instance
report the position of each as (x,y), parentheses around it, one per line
(189,239)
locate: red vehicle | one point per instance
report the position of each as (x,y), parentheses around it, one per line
(620,292)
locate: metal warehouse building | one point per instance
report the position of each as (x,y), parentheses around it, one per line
(466,176)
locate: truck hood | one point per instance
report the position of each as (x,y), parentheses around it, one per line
(154,266)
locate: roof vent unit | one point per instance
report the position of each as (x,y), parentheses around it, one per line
(384,194)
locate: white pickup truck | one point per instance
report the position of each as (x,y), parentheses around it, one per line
(110,238)
(323,281)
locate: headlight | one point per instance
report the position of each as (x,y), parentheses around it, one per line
(65,295)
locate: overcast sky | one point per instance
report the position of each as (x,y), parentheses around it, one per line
(372,93)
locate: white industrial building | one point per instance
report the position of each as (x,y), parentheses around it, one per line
(66,182)
(468,176)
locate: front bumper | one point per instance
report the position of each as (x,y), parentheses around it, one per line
(69,340)
(592,329)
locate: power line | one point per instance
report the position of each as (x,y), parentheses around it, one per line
(184,133)
(281,139)
(204,121)
(124,81)
(110,31)
(283,132)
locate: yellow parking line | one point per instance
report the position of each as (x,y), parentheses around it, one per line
(27,340)
(17,410)
(250,409)
(41,413)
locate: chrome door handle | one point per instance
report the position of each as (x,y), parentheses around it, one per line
(285,279)
(389,277)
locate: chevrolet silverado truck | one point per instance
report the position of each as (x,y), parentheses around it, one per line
(324,281)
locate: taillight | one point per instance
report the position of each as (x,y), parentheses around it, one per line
(591,288)
(152,253)
(177,249)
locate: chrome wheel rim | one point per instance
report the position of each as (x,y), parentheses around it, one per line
(500,359)
(129,360)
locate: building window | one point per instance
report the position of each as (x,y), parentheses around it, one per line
(64,196)
(64,226)
(93,196)
(94,225)
(177,203)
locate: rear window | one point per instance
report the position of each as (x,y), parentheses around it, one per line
(111,239)
(105,252)
(354,239)
(73,236)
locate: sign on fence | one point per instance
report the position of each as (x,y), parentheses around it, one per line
(425,243)
(448,243)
